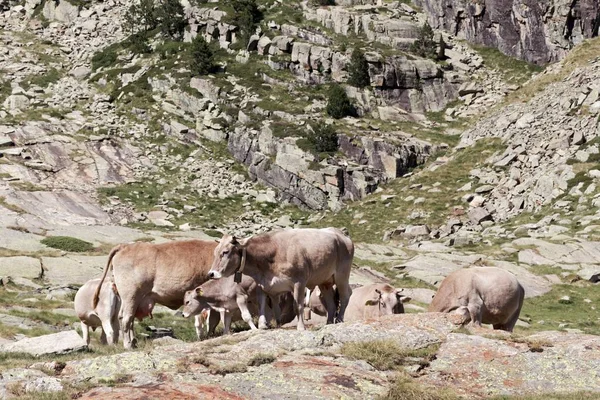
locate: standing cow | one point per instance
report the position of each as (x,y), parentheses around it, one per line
(486,295)
(147,273)
(290,260)
(104,314)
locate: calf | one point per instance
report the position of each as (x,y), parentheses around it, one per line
(105,314)
(224,296)
(486,295)
(375,300)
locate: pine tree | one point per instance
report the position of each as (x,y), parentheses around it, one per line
(425,45)
(323,138)
(202,56)
(338,104)
(358,70)
(171,20)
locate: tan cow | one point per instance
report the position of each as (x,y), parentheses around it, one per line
(290,260)
(486,295)
(147,273)
(105,314)
(375,300)
(224,296)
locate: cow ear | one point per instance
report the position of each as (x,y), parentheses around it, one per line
(234,240)
(199,291)
(404,299)
(243,242)
(372,302)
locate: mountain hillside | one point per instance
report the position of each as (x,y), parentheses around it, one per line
(153,121)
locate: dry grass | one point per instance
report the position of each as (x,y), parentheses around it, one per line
(385,354)
(9,206)
(405,388)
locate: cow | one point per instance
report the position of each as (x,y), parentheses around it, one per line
(147,273)
(104,314)
(375,300)
(290,260)
(224,296)
(486,295)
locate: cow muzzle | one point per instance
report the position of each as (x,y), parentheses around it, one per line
(214,274)
(185,315)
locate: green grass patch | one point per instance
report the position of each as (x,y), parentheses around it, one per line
(47,317)
(43,80)
(512,69)
(577,314)
(386,354)
(68,243)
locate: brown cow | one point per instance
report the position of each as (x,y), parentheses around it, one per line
(375,300)
(105,314)
(486,295)
(290,260)
(224,296)
(147,273)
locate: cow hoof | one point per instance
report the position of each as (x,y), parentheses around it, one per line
(263,326)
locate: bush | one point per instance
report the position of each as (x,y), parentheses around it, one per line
(323,139)
(323,2)
(338,104)
(202,56)
(138,43)
(170,19)
(104,58)
(68,243)
(425,46)
(358,70)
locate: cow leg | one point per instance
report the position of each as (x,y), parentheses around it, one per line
(262,306)
(299,292)
(276,309)
(103,337)
(107,332)
(344,292)
(198,324)
(85,331)
(242,302)
(213,320)
(127,315)
(226,316)
(114,324)
(328,298)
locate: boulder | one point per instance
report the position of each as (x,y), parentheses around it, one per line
(56,343)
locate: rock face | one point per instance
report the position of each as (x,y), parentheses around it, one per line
(536,31)
(57,343)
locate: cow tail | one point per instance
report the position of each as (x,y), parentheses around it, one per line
(113,252)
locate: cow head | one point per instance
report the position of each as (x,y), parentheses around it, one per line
(227,257)
(192,303)
(388,302)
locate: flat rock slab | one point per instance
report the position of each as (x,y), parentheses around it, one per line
(379,253)
(20,266)
(558,254)
(478,366)
(56,343)
(99,233)
(20,241)
(434,268)
(73,269)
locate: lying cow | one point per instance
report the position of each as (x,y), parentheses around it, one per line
(486,295)
(290,260)
(375,300)
(147,273)
(104,314)
(224,296)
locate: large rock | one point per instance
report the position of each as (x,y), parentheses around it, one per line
(20,266)
(56,343)
(539,32)
(73,269)
(62,11)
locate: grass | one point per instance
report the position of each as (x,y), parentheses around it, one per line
(261,359)
(27,186)
(47,317)
(512,69)
(385,354)
(10,206)
(578,314)
(551,396)
(68,243)
(435,209)
(43,80)
(405,388)
(183,329)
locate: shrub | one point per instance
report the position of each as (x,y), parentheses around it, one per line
(104,58)
(358,70)
(425,46)
(170,19)
(68,243)
(138,43)
(323,2)
(246,16)
(338,104)
(202,56)
(323,139)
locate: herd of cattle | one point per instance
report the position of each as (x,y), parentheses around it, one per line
(275,275)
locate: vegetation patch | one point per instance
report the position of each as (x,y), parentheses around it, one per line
(513,70)
(261,359)
(405,388)
(386,354)
(68,243)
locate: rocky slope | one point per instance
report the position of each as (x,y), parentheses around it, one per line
(539,32)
